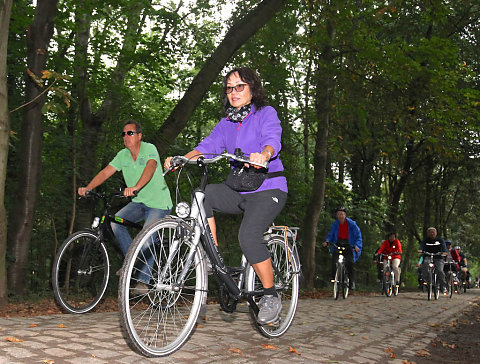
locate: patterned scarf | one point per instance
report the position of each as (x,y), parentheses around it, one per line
(237,115)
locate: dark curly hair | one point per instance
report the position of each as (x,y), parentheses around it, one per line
(247,75)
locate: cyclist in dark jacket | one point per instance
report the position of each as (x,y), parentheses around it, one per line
(344,231)
(434,244)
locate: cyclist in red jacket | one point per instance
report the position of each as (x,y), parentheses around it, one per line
(390,246)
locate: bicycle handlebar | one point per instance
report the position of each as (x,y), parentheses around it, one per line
(339,246)
(103,195)
(179,160)
(432,254)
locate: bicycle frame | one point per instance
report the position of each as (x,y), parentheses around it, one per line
(203,236)
(105,231)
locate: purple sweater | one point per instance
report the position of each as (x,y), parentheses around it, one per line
(259,129)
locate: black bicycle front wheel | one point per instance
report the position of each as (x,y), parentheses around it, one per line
(337,281)
(80,272)
(345,283)
(450,284)
(430,284)
(388,282)
(436,288)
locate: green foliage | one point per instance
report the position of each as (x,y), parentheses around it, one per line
(406,91)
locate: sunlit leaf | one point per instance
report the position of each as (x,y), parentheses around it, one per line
(14,339)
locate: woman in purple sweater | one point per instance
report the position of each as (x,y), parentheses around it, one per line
(253,127)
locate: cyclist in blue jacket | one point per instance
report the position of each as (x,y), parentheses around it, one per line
(343,232)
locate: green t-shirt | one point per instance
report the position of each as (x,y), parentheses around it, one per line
(155,193)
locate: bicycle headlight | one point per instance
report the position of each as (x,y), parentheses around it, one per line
(182,210)
(95,222)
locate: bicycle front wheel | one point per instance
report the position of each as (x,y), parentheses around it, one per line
(430,285)
(80,272)
(336,282)
(388,283)
(450,284)
(345,283)
(286,276)
(162,288)
(436,288)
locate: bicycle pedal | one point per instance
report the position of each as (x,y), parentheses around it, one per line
(271,324)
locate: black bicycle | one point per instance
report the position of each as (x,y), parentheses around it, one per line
(158,318)
(341,280)
(451,277)
(81,267)
(389,285)
(432,283)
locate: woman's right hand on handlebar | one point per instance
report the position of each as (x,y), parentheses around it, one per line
(82,191)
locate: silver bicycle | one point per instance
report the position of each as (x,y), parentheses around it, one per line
(159,318)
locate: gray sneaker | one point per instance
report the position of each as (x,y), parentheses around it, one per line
(269,309)
(140,289)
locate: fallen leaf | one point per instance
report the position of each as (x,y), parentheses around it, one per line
(61,326)
(364,338)
(423,352)
(269,346)
(32,325)
(292,350)
(434,325)
(49,361)
(14,339)
(389,350)
(235,350)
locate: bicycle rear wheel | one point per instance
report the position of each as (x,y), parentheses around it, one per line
(80,272)
(286,275)
(337,281)
(158,317)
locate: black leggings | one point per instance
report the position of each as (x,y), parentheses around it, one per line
(259,210)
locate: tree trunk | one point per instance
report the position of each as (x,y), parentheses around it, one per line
(38,38)
(323,100)
(91,120)
(5,10)
(234,39)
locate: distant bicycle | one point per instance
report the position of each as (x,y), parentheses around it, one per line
(389,285)
(82,266)
(433,286)
(341,280)
(453,283)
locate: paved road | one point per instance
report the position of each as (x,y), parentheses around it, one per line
(361,329)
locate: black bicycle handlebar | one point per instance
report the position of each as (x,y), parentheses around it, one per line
(432,254)
(178,161)
(103,195)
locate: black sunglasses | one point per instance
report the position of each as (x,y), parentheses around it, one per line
(129,133)
(238,88)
